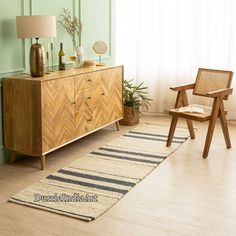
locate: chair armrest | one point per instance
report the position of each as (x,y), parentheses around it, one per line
(183,87)
(220,92)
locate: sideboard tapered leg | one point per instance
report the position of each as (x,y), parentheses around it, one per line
(42,161)
(117,126)
(13,157)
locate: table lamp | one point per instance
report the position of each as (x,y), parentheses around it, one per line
(36,27)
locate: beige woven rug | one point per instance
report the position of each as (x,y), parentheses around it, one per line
(91,185)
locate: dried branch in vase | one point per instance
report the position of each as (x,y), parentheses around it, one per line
(72,25)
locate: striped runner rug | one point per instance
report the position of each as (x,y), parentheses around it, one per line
(91,185)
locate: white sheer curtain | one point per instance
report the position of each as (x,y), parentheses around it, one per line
(164,42)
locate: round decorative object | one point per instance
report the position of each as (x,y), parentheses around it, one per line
(90,64)
(100,48)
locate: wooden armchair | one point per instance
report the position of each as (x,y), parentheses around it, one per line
(209,83)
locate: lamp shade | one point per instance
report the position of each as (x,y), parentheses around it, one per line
(36,26)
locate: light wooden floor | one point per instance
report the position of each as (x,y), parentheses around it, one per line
(185,195)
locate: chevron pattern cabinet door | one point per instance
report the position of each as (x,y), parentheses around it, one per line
(111,91)
(57,112)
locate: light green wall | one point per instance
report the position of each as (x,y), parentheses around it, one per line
(97,17)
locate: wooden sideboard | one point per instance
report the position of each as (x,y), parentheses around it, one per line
(46,113)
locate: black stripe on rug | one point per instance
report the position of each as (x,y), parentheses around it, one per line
(81,183)
(153,139)
(126,158)
(71,213)
(100,172)
(96,177)
(156,135)
(132,153)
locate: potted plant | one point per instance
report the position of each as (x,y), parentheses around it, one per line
(134,96)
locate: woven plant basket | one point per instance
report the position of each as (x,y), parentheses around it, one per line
(131,116)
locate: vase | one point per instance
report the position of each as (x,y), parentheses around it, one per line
(80,56)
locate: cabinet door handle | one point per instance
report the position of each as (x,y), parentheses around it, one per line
(89,97)
(89,120)
(102,94)
(73,103)
(88,80)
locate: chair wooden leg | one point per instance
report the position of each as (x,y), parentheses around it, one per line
(211,127)
(190,128)
(210,131)
(117,126)
(42,162)
(13,157)
(224,125)
(172,130)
